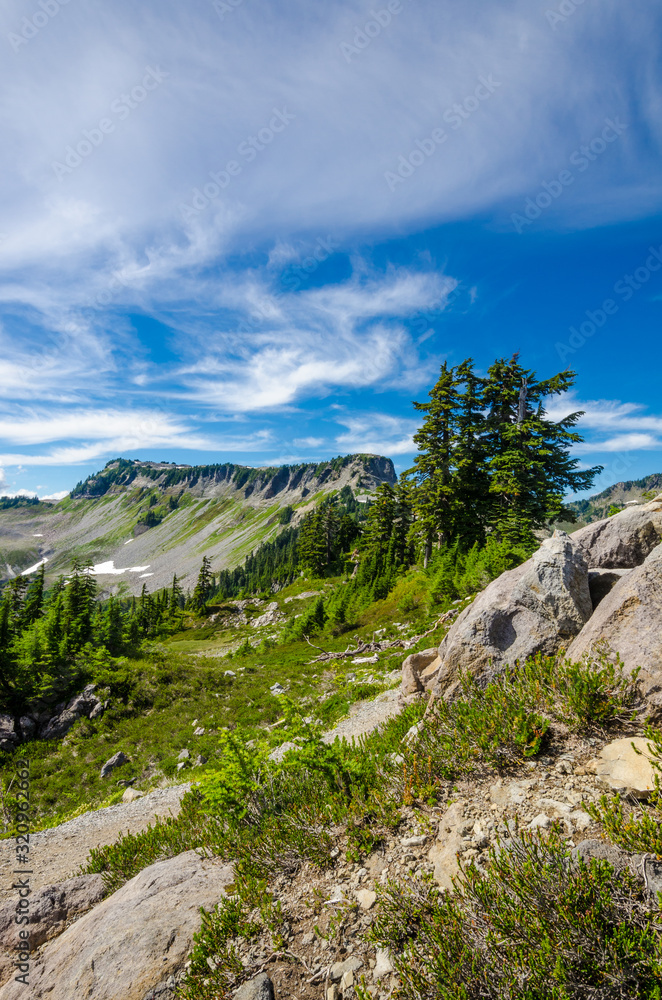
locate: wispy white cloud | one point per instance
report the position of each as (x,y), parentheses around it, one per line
(86,435)
(620,443)
(340,336)
(376,433)
(629,427)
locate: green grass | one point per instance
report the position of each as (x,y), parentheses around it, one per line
(157,702)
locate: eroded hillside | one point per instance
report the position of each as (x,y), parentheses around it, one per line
(140,522)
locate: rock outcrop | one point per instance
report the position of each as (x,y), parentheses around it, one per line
(413,667)
(132,941)
(624,540)
(53,724)
(536,608)
(629,622)
(84,704)
(51,909)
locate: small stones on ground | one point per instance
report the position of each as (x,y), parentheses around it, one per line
(184,755)
(199,731)
(337,896)
(277,688)
(340,969)
(347,981)
(366,898)
(540,822)
(413,841)
(383,965)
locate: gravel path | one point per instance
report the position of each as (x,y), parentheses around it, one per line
(366,716)
(56,854)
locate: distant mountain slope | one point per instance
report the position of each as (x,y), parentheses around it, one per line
(597,507)
(140,522)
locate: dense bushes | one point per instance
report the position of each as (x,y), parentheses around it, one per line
(533,925)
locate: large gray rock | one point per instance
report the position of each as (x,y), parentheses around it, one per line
(536,608)
(624,540)
(51,909)
(629,622)
(116,760)
(132,940)
(85,704)
(600,850)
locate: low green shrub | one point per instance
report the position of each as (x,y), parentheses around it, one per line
(532,925)
(507,720)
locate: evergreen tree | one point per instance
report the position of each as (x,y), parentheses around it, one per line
(529,465)
(34,598)
(312,543)
(204,587)
(435,497)
(470,475)
(80,606)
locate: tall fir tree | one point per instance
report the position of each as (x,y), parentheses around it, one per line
(529,463)
(435,497)
(204,586)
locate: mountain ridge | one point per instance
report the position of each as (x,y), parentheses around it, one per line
(141,522)
(597,506)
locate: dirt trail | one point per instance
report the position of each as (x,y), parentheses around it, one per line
(58,853)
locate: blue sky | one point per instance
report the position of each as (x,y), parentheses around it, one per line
(251,231)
